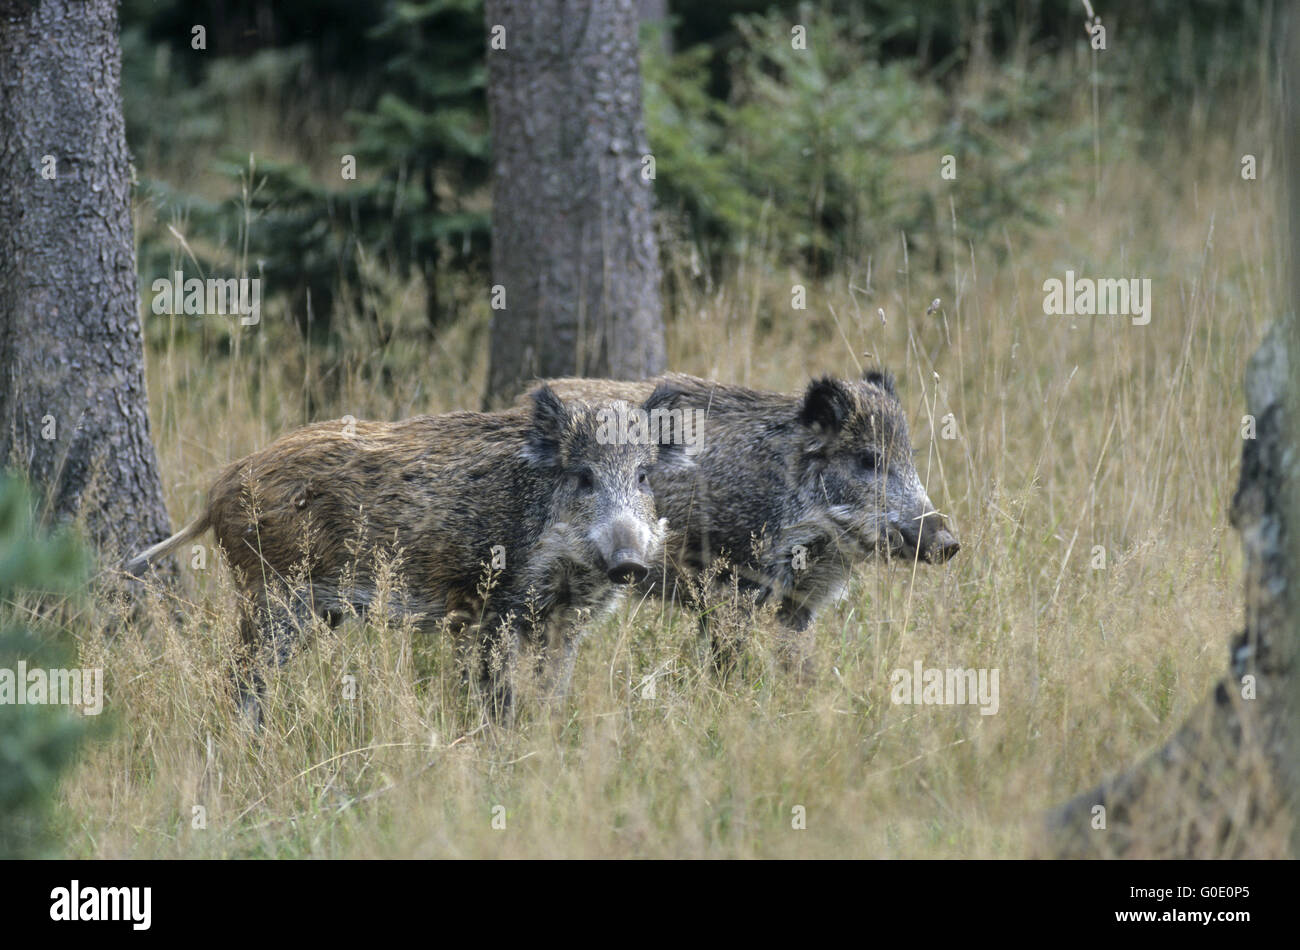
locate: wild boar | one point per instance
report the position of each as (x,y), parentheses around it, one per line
(518,525)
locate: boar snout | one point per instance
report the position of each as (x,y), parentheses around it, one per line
(927,537)
(940,546)
(628,568)
(626,548)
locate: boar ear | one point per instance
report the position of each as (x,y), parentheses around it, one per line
(665,396)
(546,434)
(825,407)
(675,427)
(882,378)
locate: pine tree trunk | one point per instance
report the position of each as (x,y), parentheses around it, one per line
(73,409)
(1289,634)
(656,12)
(573,246)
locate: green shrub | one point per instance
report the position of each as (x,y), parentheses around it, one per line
(36,741)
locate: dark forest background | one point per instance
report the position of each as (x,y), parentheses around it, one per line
(815,157)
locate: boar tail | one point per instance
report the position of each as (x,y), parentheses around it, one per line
(195,528)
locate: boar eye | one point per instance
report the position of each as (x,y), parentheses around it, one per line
(642,479)
(585,480)
(870,460)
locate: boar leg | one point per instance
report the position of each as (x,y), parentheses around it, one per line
(557,662)
(270,632)
(498,664)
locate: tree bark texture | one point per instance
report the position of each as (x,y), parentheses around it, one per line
(573,245)
(73,408)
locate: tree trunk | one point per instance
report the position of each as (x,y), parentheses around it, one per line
(573,246)
(656,12)
(73,409)
(1222,786)
(1289,648)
